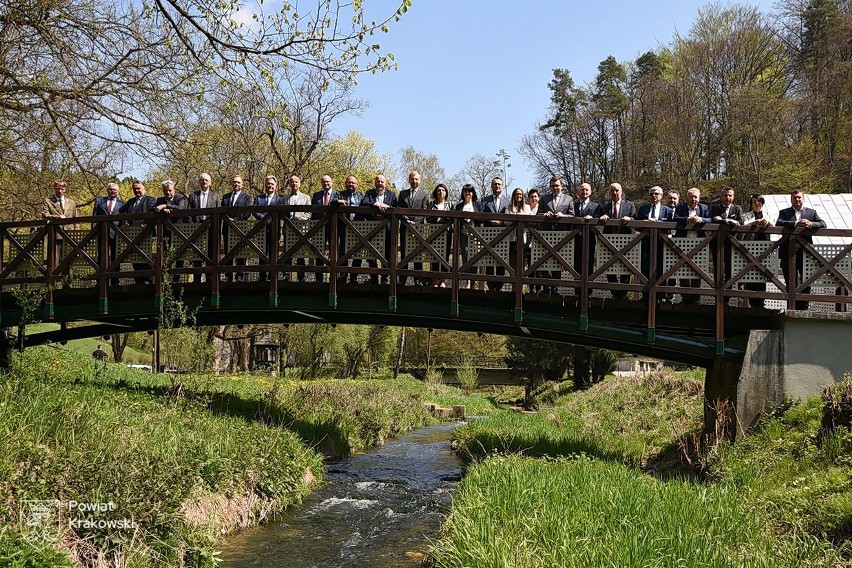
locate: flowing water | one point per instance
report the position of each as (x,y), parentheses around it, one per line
(376,509)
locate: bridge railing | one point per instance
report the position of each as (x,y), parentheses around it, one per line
(573,256)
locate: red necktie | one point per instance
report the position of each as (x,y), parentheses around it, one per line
(325,199)
(109,206)
(614,210)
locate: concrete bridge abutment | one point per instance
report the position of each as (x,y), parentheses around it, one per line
(810,352)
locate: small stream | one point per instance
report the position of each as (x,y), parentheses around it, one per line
(376,509)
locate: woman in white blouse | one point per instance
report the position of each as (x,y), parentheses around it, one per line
(758,217)
(439,203)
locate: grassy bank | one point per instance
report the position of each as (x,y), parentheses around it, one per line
(588,482)
(186,458)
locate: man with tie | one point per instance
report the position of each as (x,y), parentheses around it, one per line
(326,197)
(625,211)
(139,203)
(59,207)
(730,215)
(268,198)
(556,204)
(588,210)
(381,199)
(802,218)
(350,197)
(691,213)
(168,203)
(415,197)
(495,203)
(236,198)
(109,205)
(204,198)
(654,210)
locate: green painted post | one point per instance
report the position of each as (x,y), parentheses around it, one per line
(158,301)
(454,309)
(720,347)
(652,335)
(584,323)
(332,300)
(519,315)
(215,300)
(48,310)
(103,306)
(392,303)
(273,299)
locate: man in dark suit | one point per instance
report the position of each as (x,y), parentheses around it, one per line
(381,199)
(618,208)
(269,198)
(111,204)
(139,203)
(556,204)
(654,210)
(236,198)
(797,217)
(350,197)
(204,198)
(326,197)
(691,213)
(495,203)
(168,203)
(729,214)
(415,197)
(586,209)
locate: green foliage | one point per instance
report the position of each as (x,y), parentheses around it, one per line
(525,513)
(786,487)
(467,374)
(155,461)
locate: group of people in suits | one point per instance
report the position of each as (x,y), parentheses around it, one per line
(552,206)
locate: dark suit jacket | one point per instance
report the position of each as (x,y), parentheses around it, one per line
(663,214)
(317,199)
(491,205)
(142,204)
(735,212)
(101,207)
(177,203)
(371,197)
(787,218)
(681,213)
(195,202)
(244,200)
(353,199)
(261,201)
(625,209)
(592,209)
(417,199)
(566,204)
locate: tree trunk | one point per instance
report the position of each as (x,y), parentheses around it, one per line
(582,367)
(119,342)
(399,354)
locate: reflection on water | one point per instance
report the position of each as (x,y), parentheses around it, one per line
(376,509)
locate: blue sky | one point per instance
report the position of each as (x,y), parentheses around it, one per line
(473,75)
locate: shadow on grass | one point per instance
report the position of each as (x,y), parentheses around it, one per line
(488,443)
(325,436)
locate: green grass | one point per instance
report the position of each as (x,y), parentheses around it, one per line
(155,461)
(529,513)
(87,346)
(635,419)
(588,482)
(186,456)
